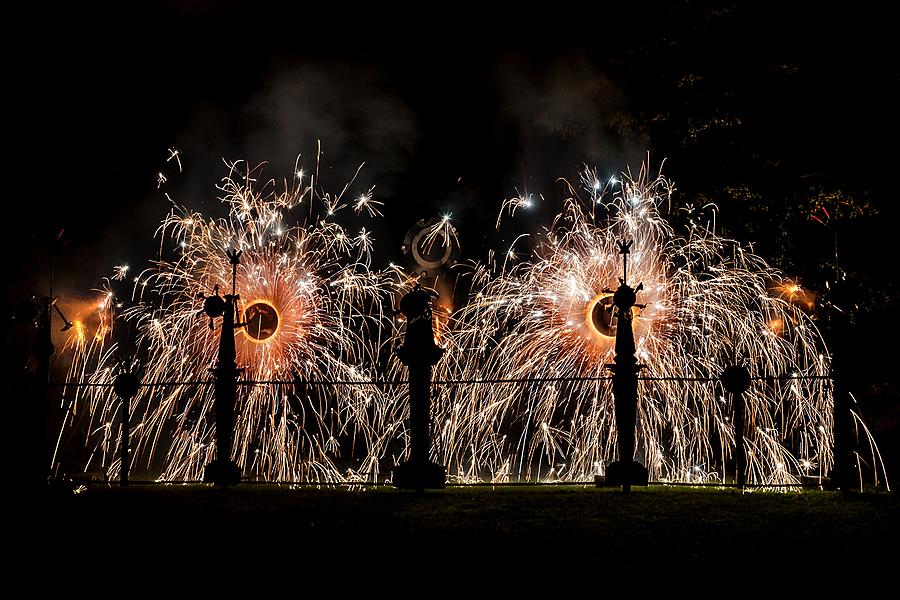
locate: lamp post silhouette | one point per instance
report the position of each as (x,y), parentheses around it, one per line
(840,307)
(43,351)
(420,354)
(222,470)
(625,471)
(840,317)
(37,312)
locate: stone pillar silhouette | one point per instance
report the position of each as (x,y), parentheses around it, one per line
(736,380)
(420,354)
(126,386)
(625,471)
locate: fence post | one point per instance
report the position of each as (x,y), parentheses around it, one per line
(126,386)
(223,471)
(626,471)
(736,380)
(419,353)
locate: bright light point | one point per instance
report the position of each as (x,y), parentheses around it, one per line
(176,154)
(120,272)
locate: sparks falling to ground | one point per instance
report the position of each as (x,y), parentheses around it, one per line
(312,309)
(550,321)
(526,392)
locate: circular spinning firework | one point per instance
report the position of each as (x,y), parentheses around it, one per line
(550,322)
(312,312)
(261,321)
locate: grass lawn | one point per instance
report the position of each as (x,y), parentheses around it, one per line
(522,532)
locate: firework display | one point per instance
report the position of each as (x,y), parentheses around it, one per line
(523,391)
(548,324)
(312,310)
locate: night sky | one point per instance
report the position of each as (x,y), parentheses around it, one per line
(765,111)
(452,112)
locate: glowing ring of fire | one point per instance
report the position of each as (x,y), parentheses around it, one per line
(598,314)
(601,319)
(262,321)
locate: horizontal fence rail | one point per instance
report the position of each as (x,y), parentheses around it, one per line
(482,484)
(387,382)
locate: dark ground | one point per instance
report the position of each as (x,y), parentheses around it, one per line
(479,534)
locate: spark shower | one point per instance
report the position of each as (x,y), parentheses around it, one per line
(522,392)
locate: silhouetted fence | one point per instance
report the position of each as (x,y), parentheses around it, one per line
(442,386)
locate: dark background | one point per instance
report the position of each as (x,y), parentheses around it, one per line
(771,112)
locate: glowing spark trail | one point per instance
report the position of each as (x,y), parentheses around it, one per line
(308,299)
(442,230)
(365,201)
(176,154)
(707,306)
